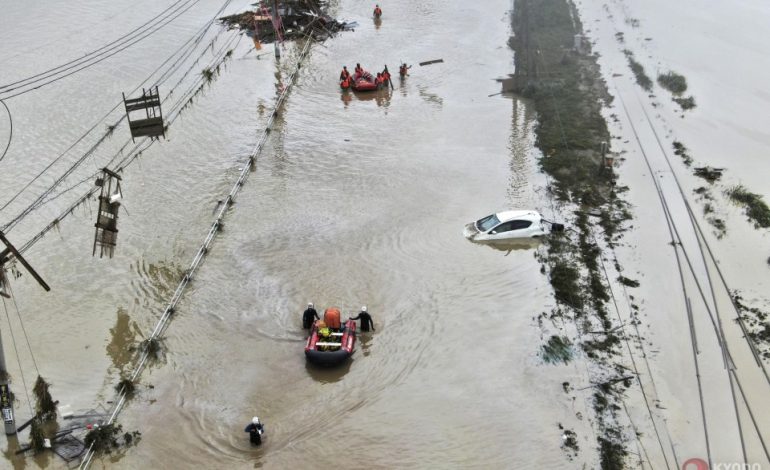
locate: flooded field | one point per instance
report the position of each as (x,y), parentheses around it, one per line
(356,200)
(359,200)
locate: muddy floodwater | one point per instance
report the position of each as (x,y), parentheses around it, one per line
(356,199)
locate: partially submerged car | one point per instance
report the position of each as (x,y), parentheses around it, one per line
(509,225)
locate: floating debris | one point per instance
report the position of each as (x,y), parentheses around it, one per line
(106,438)
(295,20)
(46,407)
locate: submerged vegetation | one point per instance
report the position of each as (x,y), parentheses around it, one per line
(708,173)
(568,93)
(642,78)
(569,442)
(685,103)
(708,210)
(107,438)
(757,322)
(677,85)
(628,282)
(125,385)
(681,150)
(673,82)
(755,207)
(45,407)
(557,349)
(36,436)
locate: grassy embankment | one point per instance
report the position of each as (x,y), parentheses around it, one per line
(567,92)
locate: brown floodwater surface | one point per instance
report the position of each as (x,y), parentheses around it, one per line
(356,200)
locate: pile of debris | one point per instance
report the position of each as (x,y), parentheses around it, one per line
(295,19)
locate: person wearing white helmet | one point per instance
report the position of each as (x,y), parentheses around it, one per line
(255,430)
(366,319)
(309,316)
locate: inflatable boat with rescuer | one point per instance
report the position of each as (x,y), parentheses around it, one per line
(365,82)
(330,343)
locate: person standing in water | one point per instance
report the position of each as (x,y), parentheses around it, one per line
(255,430)
(366,320)
(309,316)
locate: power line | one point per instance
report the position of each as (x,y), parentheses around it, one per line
(107,49)
(196,38)
(18,360)
(144,355)
(617,310)
(103,58)
(24,330)
(10,133)
(128,159)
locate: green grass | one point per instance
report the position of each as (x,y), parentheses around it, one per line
(642,78)
(673,82)
(557,349)
(681,150)
(628,282)
(755,208)
(564,279)
(685,103)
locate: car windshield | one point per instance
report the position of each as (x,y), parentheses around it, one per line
(487,222)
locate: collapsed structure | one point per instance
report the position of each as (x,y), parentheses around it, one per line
(292,19)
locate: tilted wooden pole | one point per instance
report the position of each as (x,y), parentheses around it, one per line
(6,402)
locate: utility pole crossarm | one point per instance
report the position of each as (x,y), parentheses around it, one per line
(11,252)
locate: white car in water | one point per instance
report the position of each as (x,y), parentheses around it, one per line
(507,225)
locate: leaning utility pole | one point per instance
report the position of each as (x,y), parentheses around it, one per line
(6,401)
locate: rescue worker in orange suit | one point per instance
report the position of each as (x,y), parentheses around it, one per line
(386,75)
(359,71)
(344,74)
(378,80)
(402,70)
(307,316)
(377,11)
(366,319)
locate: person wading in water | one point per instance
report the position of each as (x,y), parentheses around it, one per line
(309,316)
(366,319)
(255,430)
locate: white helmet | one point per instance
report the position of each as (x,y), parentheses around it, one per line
(310,304)
(363,309)
(255,420)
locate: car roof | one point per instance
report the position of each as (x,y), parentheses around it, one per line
(505,216)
